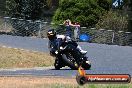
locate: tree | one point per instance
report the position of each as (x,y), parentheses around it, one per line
(130,16)
(87,12)
(30,9)
(11,6)
(105,4)
(2,7)
(127,9)
(27,9)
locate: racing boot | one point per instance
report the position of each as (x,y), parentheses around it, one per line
(81,50)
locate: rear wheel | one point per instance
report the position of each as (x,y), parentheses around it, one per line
(81,80)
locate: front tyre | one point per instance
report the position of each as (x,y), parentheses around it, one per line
(69,63)
(57,64)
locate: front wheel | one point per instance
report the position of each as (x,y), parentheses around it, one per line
(71,64)
(57,64)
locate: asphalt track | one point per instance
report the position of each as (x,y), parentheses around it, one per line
(106,59)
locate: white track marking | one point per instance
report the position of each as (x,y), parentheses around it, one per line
(19,49)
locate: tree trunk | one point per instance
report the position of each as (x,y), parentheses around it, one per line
(130,16)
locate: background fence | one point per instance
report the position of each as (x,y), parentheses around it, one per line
(21,27)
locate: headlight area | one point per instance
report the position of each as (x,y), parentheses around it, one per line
(56,52)
(61,48)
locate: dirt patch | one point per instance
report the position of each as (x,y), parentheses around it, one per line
(16,58)
(34,82)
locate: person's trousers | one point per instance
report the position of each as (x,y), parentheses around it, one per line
(76,34)
(69,33)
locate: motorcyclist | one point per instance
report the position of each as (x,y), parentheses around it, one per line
(53,37)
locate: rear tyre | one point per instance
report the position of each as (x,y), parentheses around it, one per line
(81,80)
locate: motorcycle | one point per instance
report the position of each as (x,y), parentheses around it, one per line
(68,55)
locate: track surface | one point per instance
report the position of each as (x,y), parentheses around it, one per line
(105,58)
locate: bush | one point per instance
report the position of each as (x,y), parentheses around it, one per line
(113,21)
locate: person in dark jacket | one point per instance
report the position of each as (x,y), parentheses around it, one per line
(53,37)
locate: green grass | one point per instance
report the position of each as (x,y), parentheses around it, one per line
(90,86)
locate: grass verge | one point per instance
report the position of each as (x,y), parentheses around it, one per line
(51,82)
(15,58)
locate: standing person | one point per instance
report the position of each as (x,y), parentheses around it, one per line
(68,28)
(76,30)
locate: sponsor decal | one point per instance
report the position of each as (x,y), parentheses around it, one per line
(83,78)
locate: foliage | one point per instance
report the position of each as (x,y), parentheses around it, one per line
(27,9)
(113,21)
(30,9)
(11,6)
(106,4)
(87,12)
(2,7)
(49,3)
